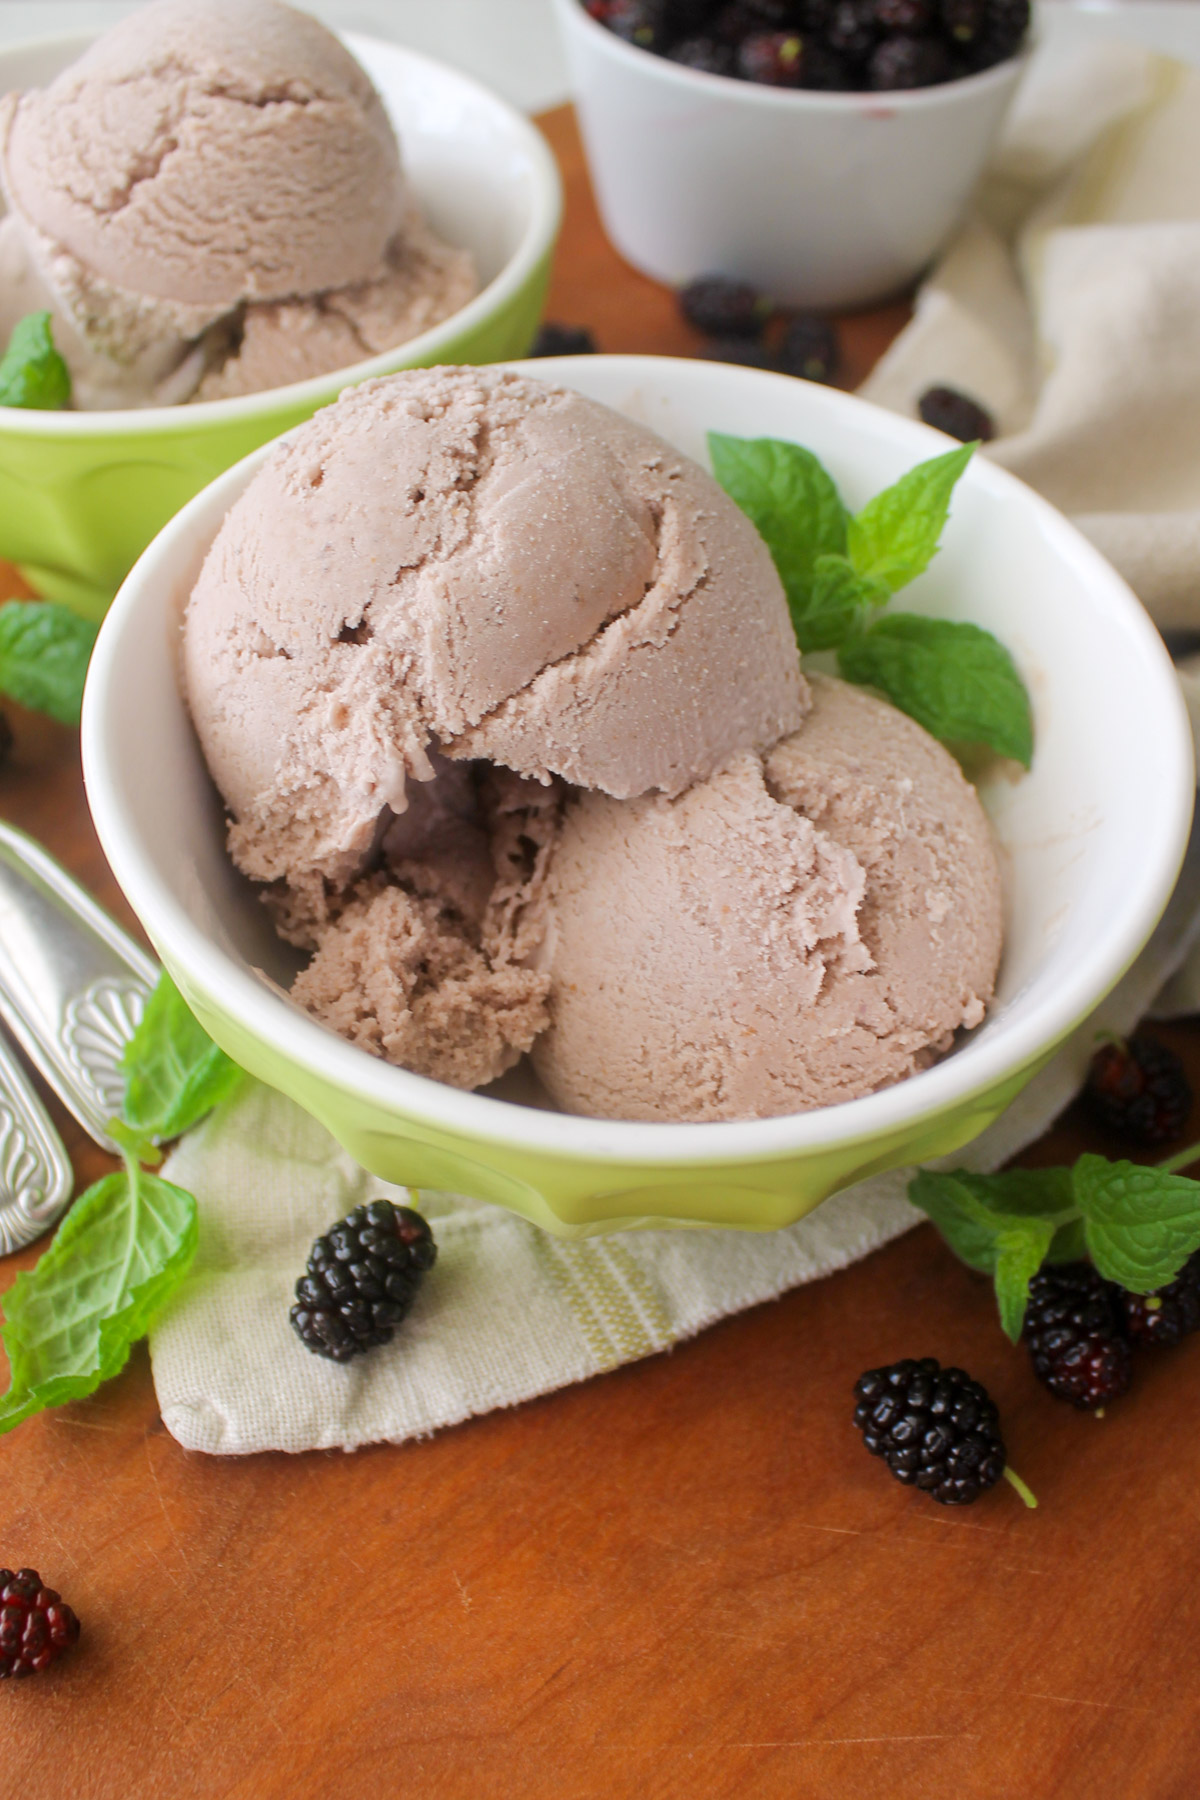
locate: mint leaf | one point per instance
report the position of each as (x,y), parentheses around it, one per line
(1002,1225)
(792,499)
(956,680)
(1141,1224)
(1069,1243)
(837,600)
(32,373)
(71,1321)
(895,536)
(174,1073)
(44,653)
(967,1224)
(1019,1256)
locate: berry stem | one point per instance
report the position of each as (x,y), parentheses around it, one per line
(1182,1159)
(1014,1480)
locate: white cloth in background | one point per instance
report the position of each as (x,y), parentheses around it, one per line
(1070,307)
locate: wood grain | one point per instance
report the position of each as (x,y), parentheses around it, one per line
(681,1579)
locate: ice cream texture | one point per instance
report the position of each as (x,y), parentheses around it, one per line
(798,930)
(210,201)
(503,698)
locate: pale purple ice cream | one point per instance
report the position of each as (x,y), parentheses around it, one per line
(210,201)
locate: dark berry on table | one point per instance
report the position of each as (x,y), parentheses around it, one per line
(36,1625)
(745,351)
(935,1428)
(809,348)
(948,410)
(722,308)
(1139,1089)
(563,340)
(1075,1329)
(908,62)
(1168,1316)
(910,16)
(363,1276)
(707,54)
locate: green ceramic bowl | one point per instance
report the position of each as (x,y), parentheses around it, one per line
(82,494)
(1091,843)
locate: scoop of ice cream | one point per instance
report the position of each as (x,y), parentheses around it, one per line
(472,562)
(210,151)
(796,931)
(424,962)
(282,341)
(210,201)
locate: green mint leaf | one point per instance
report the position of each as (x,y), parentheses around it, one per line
(174,1073)
(1069,1243)
(968,1226)
(32,373)
(837,600)
(956,680)
(71,1321)
(1019,1256)
(895,536)
(1002,1225)
(44,654)
(791,498)
(1141,1224)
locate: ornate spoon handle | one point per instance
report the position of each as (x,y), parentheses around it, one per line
(73,985)
(36,1177)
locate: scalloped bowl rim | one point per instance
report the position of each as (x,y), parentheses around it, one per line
(1015,1046)
(537,239)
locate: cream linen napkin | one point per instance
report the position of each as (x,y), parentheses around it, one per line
(1070,306)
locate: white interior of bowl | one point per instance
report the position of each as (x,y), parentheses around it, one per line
(1091,838)
(483,174)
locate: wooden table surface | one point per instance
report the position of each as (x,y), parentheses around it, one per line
(685,1578)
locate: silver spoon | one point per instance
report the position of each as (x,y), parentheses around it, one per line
(73,987)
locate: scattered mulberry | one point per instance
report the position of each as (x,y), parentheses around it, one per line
(935,1428)
(563,340)
(1171,1314)
(1139,1089)
(1075,1329)
(363,1276)
(723,308)
(957,415)
(809,348)
(36,1626)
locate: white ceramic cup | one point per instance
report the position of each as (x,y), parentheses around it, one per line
(820,199)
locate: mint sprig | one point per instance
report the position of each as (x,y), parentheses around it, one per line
(174,1073)
(895,537)
(839,570)
(32,373)
(72,1320)
(44,653)
(956,680)
(1139,1225)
